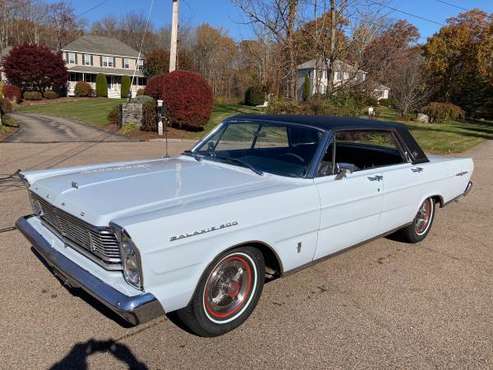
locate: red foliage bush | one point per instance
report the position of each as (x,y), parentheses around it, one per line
(187,96)
(13,93)
(35,67)
(83,88)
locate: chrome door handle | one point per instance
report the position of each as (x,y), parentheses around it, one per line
(375,178)
(417,169)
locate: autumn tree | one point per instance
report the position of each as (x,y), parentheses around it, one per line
(409,86)
(280,19)
(35,67)
(156,62)
(458,61)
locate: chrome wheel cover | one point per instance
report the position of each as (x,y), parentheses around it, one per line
(229,288)
(424,217)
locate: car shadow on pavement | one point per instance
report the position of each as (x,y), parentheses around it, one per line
(78,356)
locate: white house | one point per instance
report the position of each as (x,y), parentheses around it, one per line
(344,73)
(90,55)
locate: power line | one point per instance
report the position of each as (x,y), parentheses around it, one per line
(92,8)
(452,5)
(408,13)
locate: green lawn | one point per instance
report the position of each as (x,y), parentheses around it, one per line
(446,137)
(93,111)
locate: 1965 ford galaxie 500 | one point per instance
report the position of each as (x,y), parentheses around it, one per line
(258,197)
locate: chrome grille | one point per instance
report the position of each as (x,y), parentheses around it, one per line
(99,244)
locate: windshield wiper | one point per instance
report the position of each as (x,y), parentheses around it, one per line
(240,162)
(195,156)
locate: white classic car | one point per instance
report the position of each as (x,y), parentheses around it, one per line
(258,197)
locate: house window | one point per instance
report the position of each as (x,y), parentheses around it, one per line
(126,63)
(71,58)
(140,64)
(87,60)
(346,75)
(336,76)
(108,62)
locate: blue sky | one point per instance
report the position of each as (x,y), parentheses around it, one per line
(222,13)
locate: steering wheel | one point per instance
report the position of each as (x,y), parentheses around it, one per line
(296,156)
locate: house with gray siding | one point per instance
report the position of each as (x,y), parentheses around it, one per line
(90,55)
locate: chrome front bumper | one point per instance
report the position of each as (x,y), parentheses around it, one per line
(134,309)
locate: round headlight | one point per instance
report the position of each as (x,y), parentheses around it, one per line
(130,262)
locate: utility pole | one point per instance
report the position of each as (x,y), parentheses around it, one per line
(174,37)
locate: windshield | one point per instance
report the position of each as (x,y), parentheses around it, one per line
(285,150)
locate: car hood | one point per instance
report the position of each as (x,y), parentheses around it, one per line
(100,194)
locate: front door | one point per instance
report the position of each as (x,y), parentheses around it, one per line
(350,210)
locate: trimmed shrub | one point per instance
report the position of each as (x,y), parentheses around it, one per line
(101,86)
(255,95)
(83,89)
(13,93)
(149,116)
(306,88)
(344,105)
(141,99)
(371,101)
(50,94)
(440,112)
(140,92)
(33,95)
(5,105)
(187,96)
(114,115)
(125,87)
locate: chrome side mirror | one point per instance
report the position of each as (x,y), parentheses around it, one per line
(342,173)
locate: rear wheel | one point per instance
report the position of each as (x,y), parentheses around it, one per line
(227,293)
(421,225)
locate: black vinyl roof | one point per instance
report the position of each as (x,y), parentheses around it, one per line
(329,123)
(321,122)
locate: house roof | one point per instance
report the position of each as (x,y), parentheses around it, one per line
(101,45)
(106,71)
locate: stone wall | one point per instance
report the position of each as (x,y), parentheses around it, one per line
(130,113)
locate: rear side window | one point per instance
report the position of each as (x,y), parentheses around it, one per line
(357,150)
(371,138)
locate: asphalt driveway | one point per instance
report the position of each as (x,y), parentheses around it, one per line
(384,304)
(37,128)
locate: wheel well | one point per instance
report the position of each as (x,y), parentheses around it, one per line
(438,199)
(273,265)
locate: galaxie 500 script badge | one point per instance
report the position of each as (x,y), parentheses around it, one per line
(203,231)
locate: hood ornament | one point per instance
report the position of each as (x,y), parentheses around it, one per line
(75,185)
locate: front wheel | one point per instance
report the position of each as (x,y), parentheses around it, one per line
(421,225)
(226,294)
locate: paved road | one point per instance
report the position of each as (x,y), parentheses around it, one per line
(36,128)
(385,304)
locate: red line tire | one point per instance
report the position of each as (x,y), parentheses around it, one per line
(421,225)
(227,293)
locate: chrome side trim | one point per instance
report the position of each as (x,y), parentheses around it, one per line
(134,309)
(324,258)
